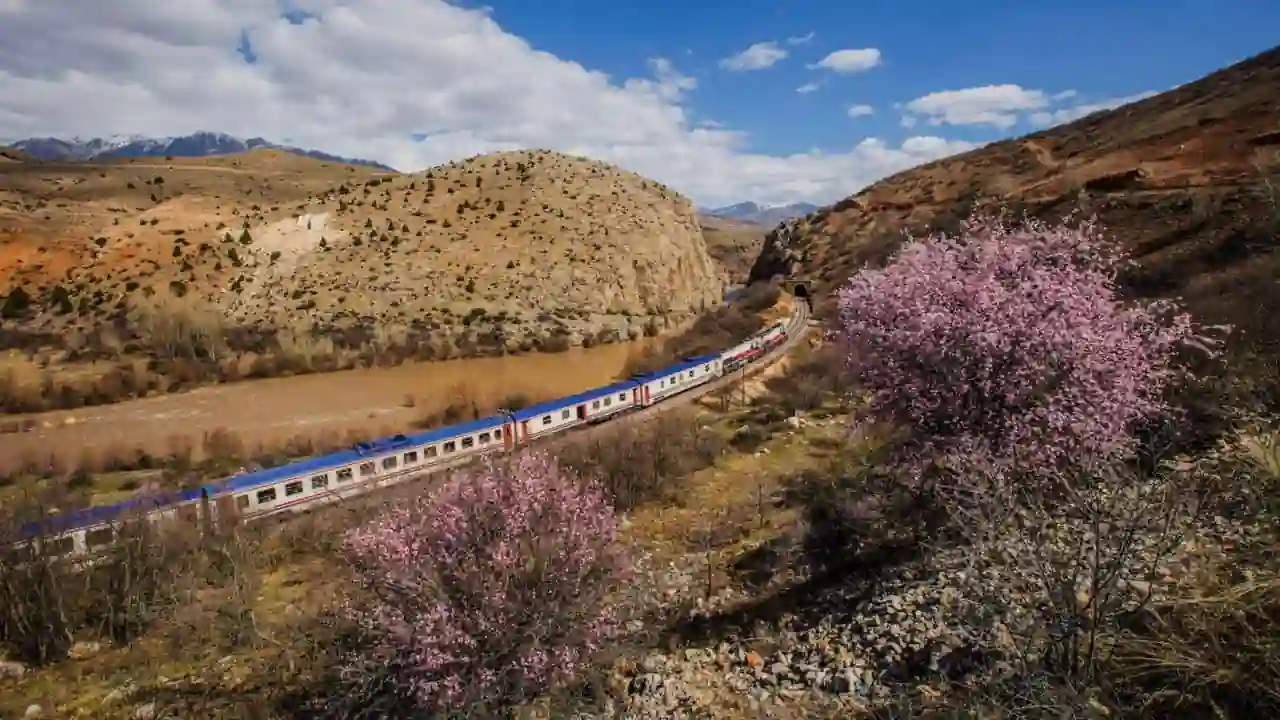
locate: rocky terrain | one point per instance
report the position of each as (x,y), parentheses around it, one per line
(501,251)
(1187,180)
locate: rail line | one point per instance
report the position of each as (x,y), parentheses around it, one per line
(797,329)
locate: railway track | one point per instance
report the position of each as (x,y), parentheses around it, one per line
(797,329)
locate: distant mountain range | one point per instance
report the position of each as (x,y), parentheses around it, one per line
(198,144)
(760,215)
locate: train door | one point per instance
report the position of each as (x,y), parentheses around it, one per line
(524,431)
(508,436)
(646,394)
(582,411)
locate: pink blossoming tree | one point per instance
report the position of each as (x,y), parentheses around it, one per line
(1009,346)
(1016,375)
(494,588)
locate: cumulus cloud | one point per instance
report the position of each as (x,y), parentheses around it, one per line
(857,111)
(412,83)
(757,57)
(1075,112)
(849,61)
(808,87)
(994,105)
(801,39)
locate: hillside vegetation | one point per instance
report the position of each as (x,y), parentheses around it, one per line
(1187,181)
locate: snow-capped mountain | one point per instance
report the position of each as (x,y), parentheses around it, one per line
(754,213)
(197,144)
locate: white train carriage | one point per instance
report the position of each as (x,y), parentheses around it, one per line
(656,386)
(364,467)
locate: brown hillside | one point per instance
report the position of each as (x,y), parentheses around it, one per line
(733,245)
(1187,180)
(497,251)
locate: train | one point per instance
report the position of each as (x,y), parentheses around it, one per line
(369,466)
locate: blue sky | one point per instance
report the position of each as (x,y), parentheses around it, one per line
(643,85)
(1100,49)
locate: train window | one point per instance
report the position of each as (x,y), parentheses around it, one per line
(319,482)
(411,457)
(344,475)
(690,373)
(484,438)
(389,463)
(293,488)
(595,405)
(366,468)
(242,502)
(101,536)
(546,419)
(622,397)
(62,545)
(468,442)
(564,415)
(430,452)
(608,401)
(266,496)
(450,446)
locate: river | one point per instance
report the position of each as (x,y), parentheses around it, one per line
(271,411)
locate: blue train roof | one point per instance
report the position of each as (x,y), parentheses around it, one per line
(535,410)
(100,514)
(686,364)
(353,455)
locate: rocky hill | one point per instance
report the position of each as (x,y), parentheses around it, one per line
(1188,181)
(733,244)
(495,252)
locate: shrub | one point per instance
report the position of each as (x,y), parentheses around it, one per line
(1016,377)
(490,591)
(1009,344)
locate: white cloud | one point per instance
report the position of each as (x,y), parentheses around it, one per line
(995,105)
(807,88)
(849,61)
(757,57)
(363,76)
(1075,112)
(801,39)
(907,121)
(857,111)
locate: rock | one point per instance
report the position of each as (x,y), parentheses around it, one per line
(145,712)
(84,649)
(12,669)
(33,711)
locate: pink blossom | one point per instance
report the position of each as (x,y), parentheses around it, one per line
(1009,346)
(496,586)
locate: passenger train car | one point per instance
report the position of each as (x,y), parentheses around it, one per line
(381,463)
